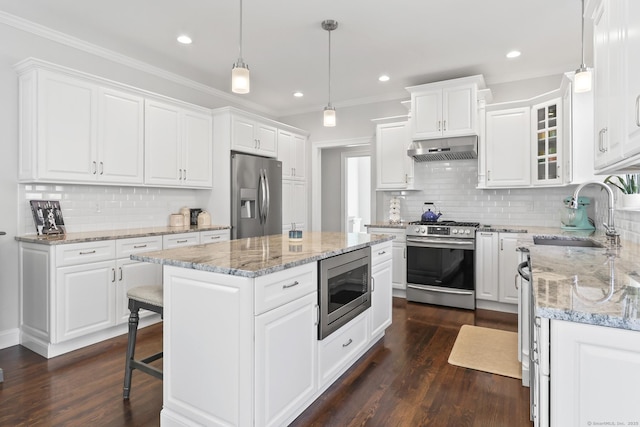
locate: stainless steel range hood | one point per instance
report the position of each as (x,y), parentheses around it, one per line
(431,150)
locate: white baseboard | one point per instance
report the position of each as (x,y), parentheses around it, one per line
(9,338)
(497,306)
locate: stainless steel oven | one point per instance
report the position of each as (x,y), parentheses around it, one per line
(440,263)
(344,288)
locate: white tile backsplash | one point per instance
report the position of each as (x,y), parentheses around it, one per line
(91,208)
(452,187)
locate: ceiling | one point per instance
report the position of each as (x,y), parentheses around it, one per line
(413,41)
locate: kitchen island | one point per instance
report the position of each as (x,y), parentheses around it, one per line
(585,330)
(241,327)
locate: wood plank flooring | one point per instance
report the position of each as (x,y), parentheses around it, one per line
(403,381)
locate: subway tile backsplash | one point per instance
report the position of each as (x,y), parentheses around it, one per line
(91,208)
(451,186)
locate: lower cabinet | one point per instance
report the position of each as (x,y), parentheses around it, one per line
(496,267)
(381,298)
(399,257)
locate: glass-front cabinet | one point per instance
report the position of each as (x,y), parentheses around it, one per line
(547,142)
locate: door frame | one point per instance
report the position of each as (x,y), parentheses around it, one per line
(344,156)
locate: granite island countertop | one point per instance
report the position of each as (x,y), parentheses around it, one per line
(93,236)
(258,256)
(598,286)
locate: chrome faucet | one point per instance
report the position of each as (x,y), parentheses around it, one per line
(611,233)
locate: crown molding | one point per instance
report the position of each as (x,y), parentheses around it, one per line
(76,43)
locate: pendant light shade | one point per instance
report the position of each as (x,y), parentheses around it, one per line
(329,117)
(582,78)
(240,73)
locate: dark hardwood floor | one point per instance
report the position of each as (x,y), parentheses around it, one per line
(403,381)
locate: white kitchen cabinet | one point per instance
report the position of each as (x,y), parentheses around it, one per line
(73,130)
(399,256)
(292,154)
(631,101)
(213,236)
(294,204)
(178,146)
(594,373)
(253,137)
(381,289)
(445,109)
(608,87)
(508,152)
(546,143)
(286,359)
(178,240)
(496,266)
(394,169)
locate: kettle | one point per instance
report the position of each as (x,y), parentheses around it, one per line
(429,215)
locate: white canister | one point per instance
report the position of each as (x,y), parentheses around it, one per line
(204,219)
(176,220)
(186,213)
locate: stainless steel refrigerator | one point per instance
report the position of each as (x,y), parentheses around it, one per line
(256,196)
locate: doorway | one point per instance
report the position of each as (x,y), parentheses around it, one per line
(356,182)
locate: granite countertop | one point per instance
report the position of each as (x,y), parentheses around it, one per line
(258,256)
(93,236)
(387,224)
(598,286)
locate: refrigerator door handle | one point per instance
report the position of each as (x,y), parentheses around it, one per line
(263,201)
(268,197)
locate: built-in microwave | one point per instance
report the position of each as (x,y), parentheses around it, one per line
(344,289)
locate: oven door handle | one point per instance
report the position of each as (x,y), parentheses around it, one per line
(441,290)
(433,243)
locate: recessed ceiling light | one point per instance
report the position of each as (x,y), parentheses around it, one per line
(383,78)
(298,94)
(513,54)
(184,39)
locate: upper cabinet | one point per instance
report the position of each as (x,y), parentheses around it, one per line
(79,128)
(616,27)
(292,154)
(73,130)
(507,152)
(443,109)
(254,137)
(394,167)
(546,119)
(178,145)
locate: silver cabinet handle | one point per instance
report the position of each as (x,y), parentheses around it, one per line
(180,174)
(373,284)
(502,244)
(444,126)
(515,280)
(87,253)
(182,241)
(486,234)
(95,167)
(348,343)
(382,252)
(120,271)
(488,175)
(439,125)
(113,272)
(296,283)
(317,315)
(601,145)
(214,237)
(638,110)
(101,168)
(139,246)
(184,174)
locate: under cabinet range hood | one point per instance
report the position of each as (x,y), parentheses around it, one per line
(431,150)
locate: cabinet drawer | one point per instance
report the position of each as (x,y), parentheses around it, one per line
(126,247)
(337,350)
(213,236)
(282,287)
(380,253)
(82,253)
(183,239)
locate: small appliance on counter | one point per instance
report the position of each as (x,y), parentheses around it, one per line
(576,219)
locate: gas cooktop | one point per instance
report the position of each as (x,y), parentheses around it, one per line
(459,229)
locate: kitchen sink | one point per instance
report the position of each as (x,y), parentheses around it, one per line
(583,243)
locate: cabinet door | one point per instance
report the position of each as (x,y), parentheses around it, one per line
(66,128)
(285,359)
(299,157)
(267,137)
(163,156)
(243,134)
(459,106)
(426,110)
(594,372)
(129,274)
(399,270)
(391,155)
(178,240)
(508,148)
(486,266)
(213,236)
(546,122)
(85,299)
(381,298)
(197,149)
(632,77)
(294,204)
(508,263)
(120,137)
(286,153)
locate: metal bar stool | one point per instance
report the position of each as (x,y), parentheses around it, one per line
(149,298)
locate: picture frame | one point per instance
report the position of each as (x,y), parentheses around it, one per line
(47,217)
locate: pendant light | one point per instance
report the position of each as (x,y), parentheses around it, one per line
(240,72)
(582,78)
(329,112)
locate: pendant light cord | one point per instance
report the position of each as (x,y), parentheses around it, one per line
(329,104)
(582,65)
(240,47)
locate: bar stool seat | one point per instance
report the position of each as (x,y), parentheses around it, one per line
(149,298)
